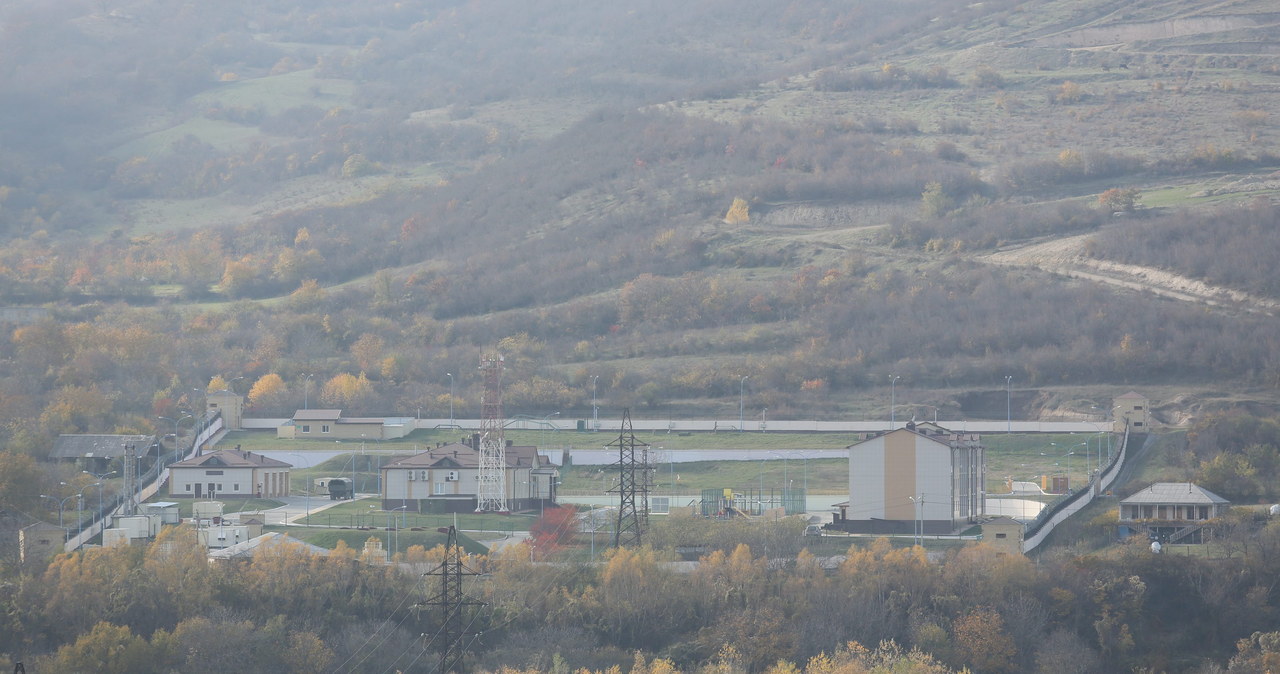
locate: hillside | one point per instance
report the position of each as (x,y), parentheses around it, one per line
(637,209)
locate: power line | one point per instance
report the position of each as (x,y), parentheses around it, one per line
(450,600)
(634,479)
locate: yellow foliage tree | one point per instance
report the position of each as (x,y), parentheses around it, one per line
(738,213)
(346,390)
(269,390)
(217,383)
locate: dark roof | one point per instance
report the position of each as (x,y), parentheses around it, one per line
(231,458)
(317,415)
(70,446)
(459,455)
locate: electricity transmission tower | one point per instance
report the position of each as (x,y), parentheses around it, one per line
(450,600)
(491,492)
(634,479)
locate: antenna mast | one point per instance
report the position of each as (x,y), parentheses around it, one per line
(491,492)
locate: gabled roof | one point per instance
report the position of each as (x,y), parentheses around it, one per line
(459,455)
(1131,395)
(944,440)
(317,415)
(76,446)
(247,549)
(1182,493)
(231,458)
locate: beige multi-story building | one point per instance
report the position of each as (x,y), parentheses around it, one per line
(904,481)
(1132,410)
(229,472)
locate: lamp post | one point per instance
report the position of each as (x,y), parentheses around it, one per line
(742,390)
(60,503)
(595,409)
(450,376)
(542,440)
(101,478)
(917,529)
(762,421)
(1008,383)
(308,484)
(306,391)
(80,505)
(893,399)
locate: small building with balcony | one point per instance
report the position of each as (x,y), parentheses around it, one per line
(1172,512)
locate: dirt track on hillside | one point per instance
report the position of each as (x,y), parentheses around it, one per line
(1066,257)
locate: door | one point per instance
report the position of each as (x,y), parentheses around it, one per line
(197,490)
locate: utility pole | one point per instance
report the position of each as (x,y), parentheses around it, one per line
(450,600)
(633,485)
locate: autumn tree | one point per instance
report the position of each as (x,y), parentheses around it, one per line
(268,392)
(1119,200)
(739,212)
(553,529)
(347,390)
(980,640)
(107,648)
(217,383)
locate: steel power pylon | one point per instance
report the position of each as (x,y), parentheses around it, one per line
(450,600)
(491,476)
(633,485)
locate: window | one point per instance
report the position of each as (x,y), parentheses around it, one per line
(235,487)
(188,486)
(324,428)
(440,488)
(219,486)
(1137,408)
(213,472)
(306,428)
(1002,535)
(1137,423)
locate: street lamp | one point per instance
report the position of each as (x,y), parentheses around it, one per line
(918,519)
(450,376)
(542,439)
(1008,382)
(595,409)
(102,514)
(176,446)
(893,399)
(60,503)
(306,390)
(762,422)
(742,388)
(80,504)
(309,484)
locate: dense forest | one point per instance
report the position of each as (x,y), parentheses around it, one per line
(163,607)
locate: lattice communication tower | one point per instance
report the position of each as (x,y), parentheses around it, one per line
(491,492)
(634,479)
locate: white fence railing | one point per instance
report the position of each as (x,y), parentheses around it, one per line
(1039,530)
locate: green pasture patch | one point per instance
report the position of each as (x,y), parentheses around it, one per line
(220,134)
(276,93)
